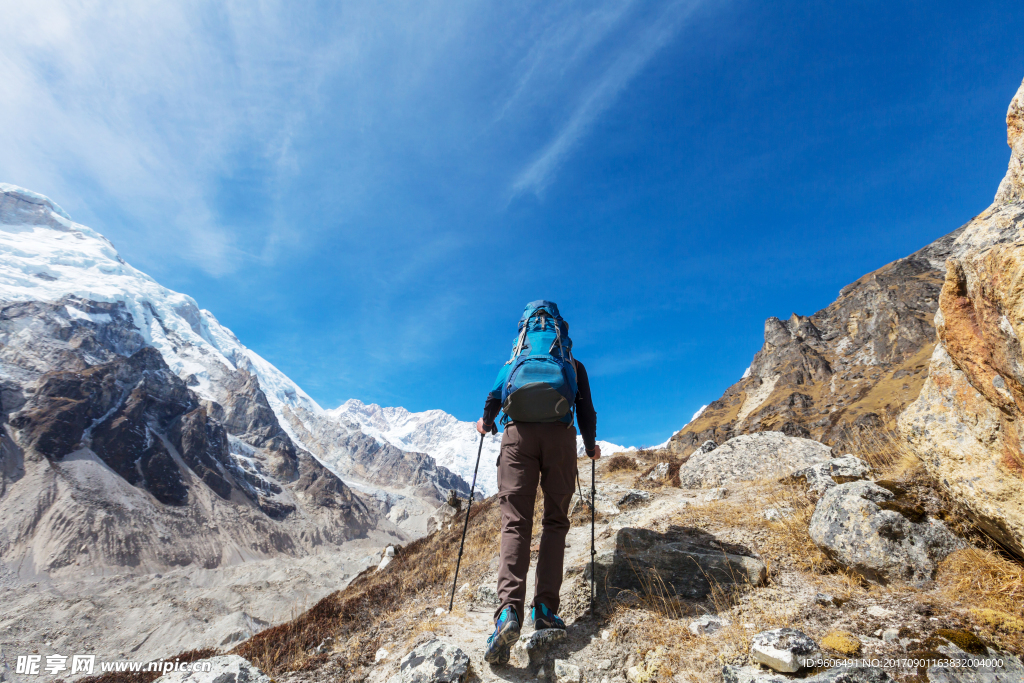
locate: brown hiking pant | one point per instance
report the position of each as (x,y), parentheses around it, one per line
(532,451)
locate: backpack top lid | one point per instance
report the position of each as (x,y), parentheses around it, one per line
(541,330)
(549,307)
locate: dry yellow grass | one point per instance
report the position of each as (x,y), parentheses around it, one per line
(992,588)
(379,603)
(786,539)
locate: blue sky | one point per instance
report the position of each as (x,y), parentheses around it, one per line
(368,193)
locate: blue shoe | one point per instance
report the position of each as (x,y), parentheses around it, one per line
(506,632)
(544,618)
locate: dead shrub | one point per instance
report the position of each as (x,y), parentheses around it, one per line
(882,446)
(621,462)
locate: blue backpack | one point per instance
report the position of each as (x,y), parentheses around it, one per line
(538,383)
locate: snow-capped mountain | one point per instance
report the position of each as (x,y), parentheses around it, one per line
(450,441)
(131,402)
(135,431)
(45,256)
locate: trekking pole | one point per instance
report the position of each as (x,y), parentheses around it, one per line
(465,527)
(593,505)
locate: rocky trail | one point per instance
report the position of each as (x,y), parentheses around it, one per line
(694,584)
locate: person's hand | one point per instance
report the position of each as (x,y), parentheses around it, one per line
(597,452)
(480,428)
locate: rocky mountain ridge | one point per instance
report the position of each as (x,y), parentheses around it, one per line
(451,442)
(842,371)
(125,405)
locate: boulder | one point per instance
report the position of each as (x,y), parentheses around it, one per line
(750,457)
(965,423)
(705,447)
(531,648)
(433,662)
(634,497)
(824,476)
(224,669)
(784,649)
(973,668)
(856,674)
(685,561)
(866,528)
(660,472)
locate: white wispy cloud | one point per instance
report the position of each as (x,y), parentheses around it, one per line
(142,105)
(604,90)
(144,118)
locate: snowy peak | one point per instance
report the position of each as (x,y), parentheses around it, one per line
(45,256)
(450,441)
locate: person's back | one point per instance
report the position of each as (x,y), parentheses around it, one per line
(539,389)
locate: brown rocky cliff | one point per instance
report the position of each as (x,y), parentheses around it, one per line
(846,369)
(965,425)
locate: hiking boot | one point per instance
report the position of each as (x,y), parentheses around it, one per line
(506,632)
(544,618)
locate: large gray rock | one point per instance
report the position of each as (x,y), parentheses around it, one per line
(856,674)
(433,662)
(784,649)
(975,668)
(686,562)
(825,475)
(866,528)
(752,456)
(225,669)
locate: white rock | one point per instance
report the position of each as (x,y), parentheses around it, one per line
(716,494)
(879,612)
(783,649)
(439,611)
(380,655)
(564,672)
(389,551)
(384,561)
(775,514)
(530,647)
(659,473)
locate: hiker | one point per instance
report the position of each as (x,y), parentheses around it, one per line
(539,389)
